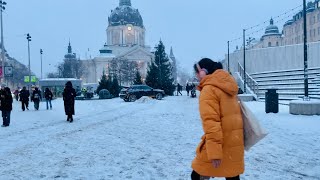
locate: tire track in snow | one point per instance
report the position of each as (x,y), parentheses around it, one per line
(25,149)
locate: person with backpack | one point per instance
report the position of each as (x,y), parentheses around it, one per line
(221,150)
(36,98)
(24,98)
(69,94)
(48,95)
(6,105)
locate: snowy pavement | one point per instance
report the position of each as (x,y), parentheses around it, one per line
(112,139)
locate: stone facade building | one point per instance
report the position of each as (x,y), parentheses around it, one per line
(293,29)
(125,40)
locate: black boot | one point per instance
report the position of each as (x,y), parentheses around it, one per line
(71,119)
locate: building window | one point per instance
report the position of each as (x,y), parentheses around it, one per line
(313,20)
(269,44)
(318,30)
(277,44)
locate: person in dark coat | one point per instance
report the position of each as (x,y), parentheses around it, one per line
(36,98)
(69,94)
(16,94)
(188,89)
(24,98)
(6,105)
(48,95)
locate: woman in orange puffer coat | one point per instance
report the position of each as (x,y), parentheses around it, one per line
(221,150)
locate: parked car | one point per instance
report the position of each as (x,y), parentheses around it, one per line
(135,92)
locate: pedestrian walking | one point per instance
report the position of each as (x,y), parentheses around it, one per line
(69,94)
(188,89)
(24,98)
(36,98)
(179,89)
(48,95)
(16,94)
(221,150)
(6,106)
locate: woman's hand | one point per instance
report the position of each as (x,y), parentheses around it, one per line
(216,163)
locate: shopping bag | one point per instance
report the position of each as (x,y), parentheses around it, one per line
(252,130)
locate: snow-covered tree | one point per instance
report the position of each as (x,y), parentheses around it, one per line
(104,83)
(159,74)
(138,78)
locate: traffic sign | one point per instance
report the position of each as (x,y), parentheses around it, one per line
(8,71)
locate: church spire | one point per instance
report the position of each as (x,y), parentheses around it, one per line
(125,3)
(69,48)
(171,52)
(271,21)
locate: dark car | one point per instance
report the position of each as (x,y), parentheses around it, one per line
(135,92)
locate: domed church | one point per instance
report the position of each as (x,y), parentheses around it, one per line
(125,40)
(271,38)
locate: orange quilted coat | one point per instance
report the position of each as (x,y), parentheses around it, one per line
(222,125)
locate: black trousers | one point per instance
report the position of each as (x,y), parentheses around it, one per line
(25,104)
(196,176)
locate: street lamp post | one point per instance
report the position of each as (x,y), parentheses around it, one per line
(29,39)
(2,7)
(244,62)
(305,52)
(228,56)
(41,51)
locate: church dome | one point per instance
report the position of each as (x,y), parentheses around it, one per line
(272,29)
(124,14)
(70,55)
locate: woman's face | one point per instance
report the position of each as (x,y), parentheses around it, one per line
(198,76)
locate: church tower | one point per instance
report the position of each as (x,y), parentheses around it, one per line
(125,26)
(174,65)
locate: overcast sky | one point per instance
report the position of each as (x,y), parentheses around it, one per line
(194,29)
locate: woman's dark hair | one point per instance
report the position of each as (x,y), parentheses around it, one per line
(208,64)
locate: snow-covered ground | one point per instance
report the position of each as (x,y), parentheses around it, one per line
(144,140)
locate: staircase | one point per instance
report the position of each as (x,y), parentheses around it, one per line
(290,83)
(252,86)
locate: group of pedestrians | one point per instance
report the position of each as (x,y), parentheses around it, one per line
(220,152)
(189,88)
(36,98)
(6,100)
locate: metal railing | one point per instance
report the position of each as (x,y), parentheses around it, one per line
(250,82)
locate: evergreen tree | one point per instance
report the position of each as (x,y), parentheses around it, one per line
(138,78)
(152,78)
(159,74)
(104,83)
(115,88)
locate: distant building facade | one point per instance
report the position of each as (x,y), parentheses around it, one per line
(293,29)
(125,40)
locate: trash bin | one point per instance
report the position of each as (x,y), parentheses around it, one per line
(272,100)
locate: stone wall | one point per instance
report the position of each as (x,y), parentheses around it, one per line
(275,58)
